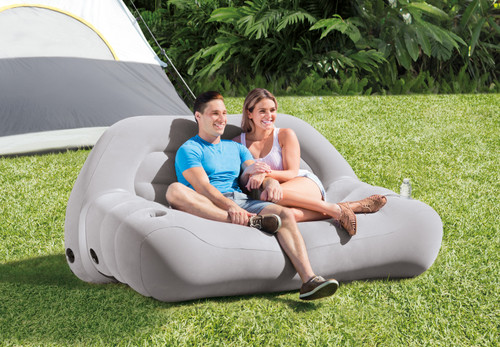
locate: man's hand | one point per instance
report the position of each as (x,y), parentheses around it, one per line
(272,190)
(253,168)
(239,215)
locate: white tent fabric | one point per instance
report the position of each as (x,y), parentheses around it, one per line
(45,33)
(50,141)
(111,18)
(70,69)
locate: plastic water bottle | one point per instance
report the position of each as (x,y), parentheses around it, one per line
(405,189)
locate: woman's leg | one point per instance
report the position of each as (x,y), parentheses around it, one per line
(304,197)
(304,215)
(303,193)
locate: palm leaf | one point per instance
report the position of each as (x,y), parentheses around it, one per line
(423,40)
(261,26)
(293,18)
(216,49)
(468,13)
(402,55)
(475,35)
(338,24)
(366,60)
(494,25)
(442,51)
(428,9)
(411,46)
(225,15)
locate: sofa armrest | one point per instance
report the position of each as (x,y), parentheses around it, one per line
(97,225)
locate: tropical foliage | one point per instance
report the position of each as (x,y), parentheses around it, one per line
(324,46)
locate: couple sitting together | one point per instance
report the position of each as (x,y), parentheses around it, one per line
(263,159)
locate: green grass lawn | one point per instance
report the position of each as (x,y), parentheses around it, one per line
(448,145)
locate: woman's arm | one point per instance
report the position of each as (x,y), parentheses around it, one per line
(290,152)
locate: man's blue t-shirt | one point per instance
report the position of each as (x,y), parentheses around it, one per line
(221,161)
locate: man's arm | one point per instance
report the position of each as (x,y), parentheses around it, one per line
(251,168)
(197,177)
(272,190)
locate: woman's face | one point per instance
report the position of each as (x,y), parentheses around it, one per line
(264,114)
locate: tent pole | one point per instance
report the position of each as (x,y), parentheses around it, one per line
(169,62)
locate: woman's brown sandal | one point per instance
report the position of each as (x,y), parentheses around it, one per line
(370,204)
(348,219)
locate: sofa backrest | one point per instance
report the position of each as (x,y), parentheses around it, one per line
(156,170)
(137,155)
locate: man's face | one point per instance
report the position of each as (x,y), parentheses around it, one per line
(212,122)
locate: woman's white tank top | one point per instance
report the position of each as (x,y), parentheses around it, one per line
(275,161)
(273,158)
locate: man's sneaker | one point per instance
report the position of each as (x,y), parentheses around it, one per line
(269,223)
(317,288)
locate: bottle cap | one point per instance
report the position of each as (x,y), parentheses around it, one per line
(406,180)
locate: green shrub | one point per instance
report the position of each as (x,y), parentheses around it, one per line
(317,47)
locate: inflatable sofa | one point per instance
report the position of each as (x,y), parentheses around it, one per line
(119,226)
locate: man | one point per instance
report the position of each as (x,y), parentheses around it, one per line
(208,170)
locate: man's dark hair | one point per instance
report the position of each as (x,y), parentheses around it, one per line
(204,98)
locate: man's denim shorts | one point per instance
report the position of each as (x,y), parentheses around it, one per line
(243,201)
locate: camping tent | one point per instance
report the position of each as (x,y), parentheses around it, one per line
(70,69)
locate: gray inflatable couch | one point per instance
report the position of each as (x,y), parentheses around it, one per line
(119,226)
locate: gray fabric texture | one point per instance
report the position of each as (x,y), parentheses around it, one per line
(44,94)
(119,226)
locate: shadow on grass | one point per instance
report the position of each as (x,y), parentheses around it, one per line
(42,302)
(46,270)
(298,305)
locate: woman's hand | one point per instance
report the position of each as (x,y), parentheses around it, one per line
(257,168)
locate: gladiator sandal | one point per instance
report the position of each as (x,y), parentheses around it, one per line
(370,204)
(348,219)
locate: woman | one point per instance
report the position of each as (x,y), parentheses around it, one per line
(277,152)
